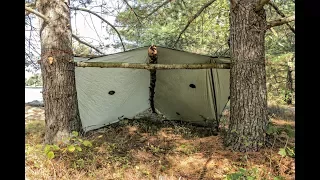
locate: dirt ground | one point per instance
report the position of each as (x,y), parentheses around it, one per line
(144,149)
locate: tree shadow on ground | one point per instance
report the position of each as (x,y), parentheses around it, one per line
(144,149)
(175,150)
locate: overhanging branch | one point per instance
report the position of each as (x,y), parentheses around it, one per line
(87,44)
(193,18)
(281,14)
(37,13)
(46,19)
(156,9)
(260,4)
(86,10)
(132,10)
(280,21)
(152,66)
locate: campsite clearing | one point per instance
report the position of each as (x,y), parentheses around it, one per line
(146,149)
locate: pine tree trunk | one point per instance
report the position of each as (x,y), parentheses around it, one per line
(248,92)
(58,71)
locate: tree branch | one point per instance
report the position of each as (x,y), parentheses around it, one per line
(260,4)
(280,21)
(47,21)
(193,18)
(80,41)
(37,13)
(281,14)
(132,10)
(31,5)
(156,9)
(152,66)
(86,10)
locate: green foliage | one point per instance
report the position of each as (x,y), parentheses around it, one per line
(282,152)
(206,34)
(272,130)
(244,174)
(71,148)
(287,152)
(72,145)
(82,50)
(35,80)
(289,132)
(248,174)
(277,70)
(87,143)
(50,155)
(278,178)
(290,152)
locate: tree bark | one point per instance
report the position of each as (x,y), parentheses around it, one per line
(58,71)
(248,92)
(289,83)
(152,66)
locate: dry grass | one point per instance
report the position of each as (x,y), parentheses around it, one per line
(141,149)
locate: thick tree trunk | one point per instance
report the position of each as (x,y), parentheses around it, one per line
(58,71)
(248,92)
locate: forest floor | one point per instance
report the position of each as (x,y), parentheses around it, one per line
(144,149)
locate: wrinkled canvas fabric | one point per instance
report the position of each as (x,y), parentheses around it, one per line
(106,95)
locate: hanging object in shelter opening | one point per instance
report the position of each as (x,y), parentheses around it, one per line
(153,58)
(153,54)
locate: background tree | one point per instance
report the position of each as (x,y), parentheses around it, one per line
(35,80)
(164,22)
(82,50)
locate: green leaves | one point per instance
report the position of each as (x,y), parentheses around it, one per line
(272,130)
(71,148)
(291,152)
(234,176)
(75,133)
(243,173)
(47,149)
(50,155)
(278,178)
(78,148)
(207,33)
(289,130)
(73,145)
(55,147)
(286,152)
(87,143)
(282,152)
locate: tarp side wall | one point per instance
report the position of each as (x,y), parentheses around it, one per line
(173,95)
(131,86)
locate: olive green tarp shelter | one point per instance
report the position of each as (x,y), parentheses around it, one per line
(105,95)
